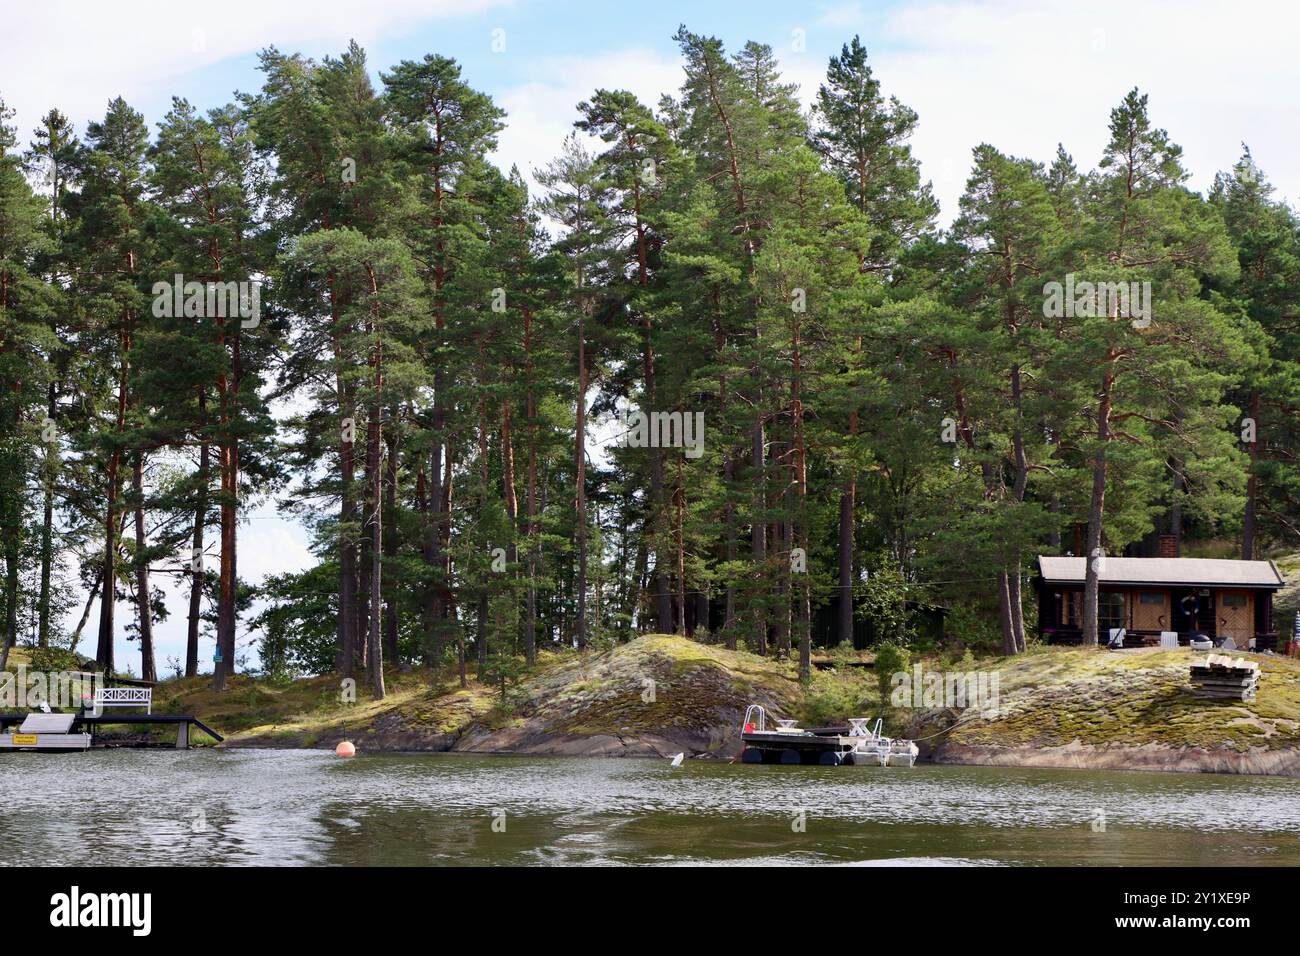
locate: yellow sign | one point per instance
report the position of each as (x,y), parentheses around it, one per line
(25,740)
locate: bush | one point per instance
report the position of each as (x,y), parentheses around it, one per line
(831,699)
(843,653)
(54,659)
(502,671)
(890,659)
(971,629)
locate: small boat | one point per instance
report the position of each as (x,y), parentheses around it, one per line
(858,745)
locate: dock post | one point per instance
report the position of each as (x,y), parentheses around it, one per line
(183,736)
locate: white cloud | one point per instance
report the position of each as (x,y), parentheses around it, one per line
(76,56)
(542,112)
(1024,76)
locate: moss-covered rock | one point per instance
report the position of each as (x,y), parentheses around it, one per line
(1090,706)
(656,695)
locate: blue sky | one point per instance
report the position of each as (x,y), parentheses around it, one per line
(1020,74)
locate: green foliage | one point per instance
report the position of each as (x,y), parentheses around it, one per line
(890,660)
(503,671)
(54,659)
(972,629)
(451,352)
(829,700)
(884,600)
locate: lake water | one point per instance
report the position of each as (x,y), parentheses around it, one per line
(310,807)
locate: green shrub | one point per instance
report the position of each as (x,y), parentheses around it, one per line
(831,699)
(890,659)
(53,659)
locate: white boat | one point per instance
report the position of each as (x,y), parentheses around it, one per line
(862,746)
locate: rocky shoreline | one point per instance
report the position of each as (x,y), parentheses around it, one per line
(659,696)
(1073,756)
(1147,757)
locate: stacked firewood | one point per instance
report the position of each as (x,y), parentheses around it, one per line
(1221,677)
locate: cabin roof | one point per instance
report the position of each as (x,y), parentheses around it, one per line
(1196,572)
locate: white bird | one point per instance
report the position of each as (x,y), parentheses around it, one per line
(677,761)
(45,708)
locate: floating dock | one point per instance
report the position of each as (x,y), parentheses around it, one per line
(53,732)
(855,745)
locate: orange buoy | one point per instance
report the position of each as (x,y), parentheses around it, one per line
(345,749)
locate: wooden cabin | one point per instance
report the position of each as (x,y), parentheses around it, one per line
(1150,596)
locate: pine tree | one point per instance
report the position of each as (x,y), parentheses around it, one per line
(448,127)
(1154,379)
(1266,234)
(578,197)
(114,252)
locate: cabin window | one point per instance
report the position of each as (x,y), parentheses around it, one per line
(1110,610)
(1156,598)
(1233,600)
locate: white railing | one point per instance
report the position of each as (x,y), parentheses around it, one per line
(124,697)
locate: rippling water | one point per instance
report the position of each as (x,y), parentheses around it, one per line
(310,807)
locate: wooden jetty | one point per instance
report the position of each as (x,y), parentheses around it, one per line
(55,731)
(86,724)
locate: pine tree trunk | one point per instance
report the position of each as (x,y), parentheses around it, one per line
(580,481)
(481,627)
(844,631)
(228,453)
(804,611)
(104,653)
(226,590)
(345,652)
(1016,603)
(758,532)
(196,557)
(365,557)
(85,609)
(390,546)
(345,663)
(511,501)
(1017,608)
(11,583)
(679,500)
(780,532)
(1096,513)
(434,606)
(144,613)
(729,506)
(47,530)
(1251,517)
(530,631)
(374,470)
(1004,613)
(729,609)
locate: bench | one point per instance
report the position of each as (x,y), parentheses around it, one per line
(124,697)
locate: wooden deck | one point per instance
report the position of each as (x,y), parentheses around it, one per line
(88,722)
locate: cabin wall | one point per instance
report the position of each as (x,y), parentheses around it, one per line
(1239,613)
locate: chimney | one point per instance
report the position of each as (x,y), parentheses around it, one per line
(1168,547)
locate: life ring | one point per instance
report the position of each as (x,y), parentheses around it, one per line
(1195,604)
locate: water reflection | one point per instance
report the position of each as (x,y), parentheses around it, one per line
(304,807)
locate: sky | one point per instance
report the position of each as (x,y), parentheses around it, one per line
(1021,75)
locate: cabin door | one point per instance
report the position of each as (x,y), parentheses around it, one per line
(1189,611)
(1236,614)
